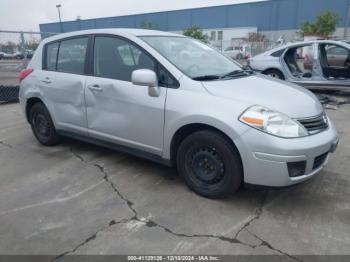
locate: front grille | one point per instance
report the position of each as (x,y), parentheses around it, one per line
(315,124)
(319,161)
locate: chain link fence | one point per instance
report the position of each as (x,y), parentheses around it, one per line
(8,94)
(16,50)
(241,49)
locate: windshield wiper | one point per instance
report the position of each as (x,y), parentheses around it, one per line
(206,77)
(237,73)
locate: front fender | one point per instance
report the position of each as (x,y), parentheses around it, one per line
(186,108)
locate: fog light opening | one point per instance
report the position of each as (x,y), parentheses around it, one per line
(296,169)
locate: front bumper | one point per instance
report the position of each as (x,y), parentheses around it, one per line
(265,157)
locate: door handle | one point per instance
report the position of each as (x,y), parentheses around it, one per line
(46,80)
(95,88)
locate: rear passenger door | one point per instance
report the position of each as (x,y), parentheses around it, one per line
(117,110)
(62,82)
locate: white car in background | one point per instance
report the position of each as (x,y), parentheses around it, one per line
(237,52)
(4,55)
(314,64)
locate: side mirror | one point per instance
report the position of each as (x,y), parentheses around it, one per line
(146,77)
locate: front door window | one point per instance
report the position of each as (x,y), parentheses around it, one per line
(117,58)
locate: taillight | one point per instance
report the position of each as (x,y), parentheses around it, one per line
(25,73)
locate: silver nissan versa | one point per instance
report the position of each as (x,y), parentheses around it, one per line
(174,100)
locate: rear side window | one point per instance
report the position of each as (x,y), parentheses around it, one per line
(116,58)
(51,56)
(72,55)
(278,53)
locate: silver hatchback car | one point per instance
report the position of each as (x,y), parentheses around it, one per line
(175,100)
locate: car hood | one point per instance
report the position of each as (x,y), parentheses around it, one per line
(287,98)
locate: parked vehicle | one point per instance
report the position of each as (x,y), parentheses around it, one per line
(19,55)
(314,64)
(237,52)
(7,55)
(132,90)
(234,52)
(29,54)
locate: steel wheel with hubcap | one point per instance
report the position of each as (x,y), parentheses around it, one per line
(205,165)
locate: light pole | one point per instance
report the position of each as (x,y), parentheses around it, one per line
(59,16)
(347,24)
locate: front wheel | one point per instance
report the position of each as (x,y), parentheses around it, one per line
(210,164)
(42,125)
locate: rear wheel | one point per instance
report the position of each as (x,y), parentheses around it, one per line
(42,125)
(209,164)
(274,74)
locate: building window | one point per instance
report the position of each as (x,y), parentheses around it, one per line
(212,35)
(220,35)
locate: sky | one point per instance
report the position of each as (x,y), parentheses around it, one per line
(26,15)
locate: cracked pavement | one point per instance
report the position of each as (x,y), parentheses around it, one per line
(81,199)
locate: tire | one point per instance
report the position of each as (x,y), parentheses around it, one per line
(274,74)
(209,164)
(42,125)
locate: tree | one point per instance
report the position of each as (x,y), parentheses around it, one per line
(256,37)
(308,28)
(9,47)
(31,44)
(196,33)
(325,25)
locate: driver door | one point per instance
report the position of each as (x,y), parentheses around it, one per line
(117,110)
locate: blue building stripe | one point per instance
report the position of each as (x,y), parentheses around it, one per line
(269,15)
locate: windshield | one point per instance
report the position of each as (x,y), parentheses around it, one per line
(192,57)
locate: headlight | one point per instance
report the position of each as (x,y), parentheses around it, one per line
(272,122)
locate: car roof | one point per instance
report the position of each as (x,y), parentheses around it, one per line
(317,41)
(113,31)
(342,43)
